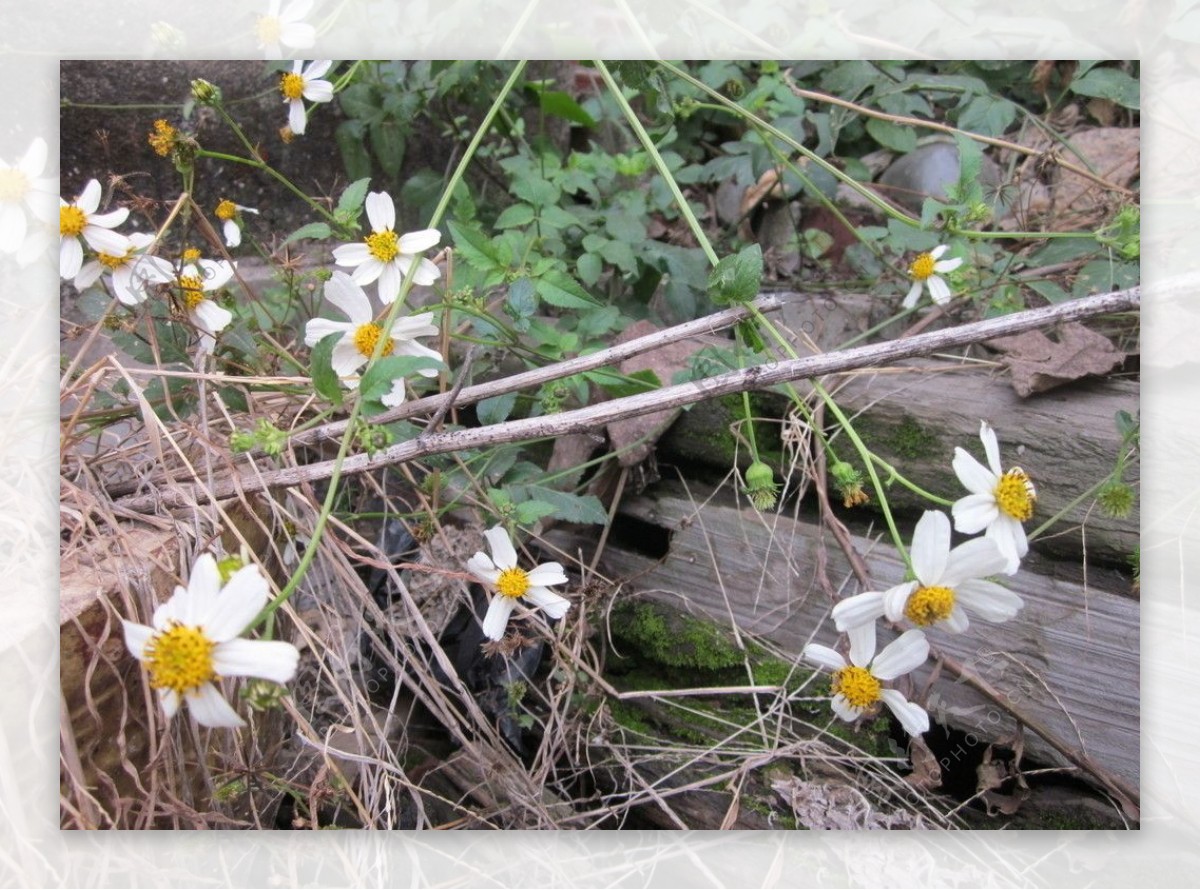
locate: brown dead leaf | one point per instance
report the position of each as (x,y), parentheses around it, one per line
(926,774)
(1039,363)
(991,775)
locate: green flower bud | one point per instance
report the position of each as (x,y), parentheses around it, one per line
(760,486)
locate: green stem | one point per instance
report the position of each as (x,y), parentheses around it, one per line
(894,475)
(271,171)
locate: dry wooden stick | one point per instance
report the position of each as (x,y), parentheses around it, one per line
(597,416)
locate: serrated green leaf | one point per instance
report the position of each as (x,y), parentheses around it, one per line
(589,268)
(315,230)
(891,135)
(349,138)
(354,196)
(559,289)
(562,105)
(522,299)
(529,512)
(515,215)
(476,248)
(496,409)
(736,279)
(325,379)
(388,143)
(567,507)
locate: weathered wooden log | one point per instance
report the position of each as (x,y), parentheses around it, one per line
(1069,661)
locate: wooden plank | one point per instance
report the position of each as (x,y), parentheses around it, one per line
(1070,659)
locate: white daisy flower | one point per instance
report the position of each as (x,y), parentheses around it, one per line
(924,270)
(384,256)
(229,214)
(998,502)
(305,83)
(285,28)
(80,219)
(948,584)
(194,642)
(511,583)
(360,334)
(129,273)
(195,280)
(858,685)
(23,187)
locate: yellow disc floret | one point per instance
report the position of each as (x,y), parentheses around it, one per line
(110,262)
(513,582)
(190,255)
(383,245)
(226,210)
(180,659)
(367,335)
(922,267)
(162,139)
(71,220)
(193,291)
(292,86)
(857,684)
(928,605)
(14,184)
(1016,495)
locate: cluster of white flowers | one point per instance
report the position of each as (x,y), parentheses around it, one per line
(947,584)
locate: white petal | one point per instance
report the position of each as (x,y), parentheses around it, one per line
(547,573)
(397,395)
(216,273)
(233,235)
(390,279)
(862,644)
(974,476)
(194,605)
(351,254)
(381,212)
(346,359)
(209,708)
(89,198)
(106,241)
(272,660)
(481,566)
(169,699)
(938,290)
(136,638)
(991,447)
(318,68)
(109,220)
(948,265)
(239,601)
(427,272)
(210,317)
(415,242)
(319,328)
(823,656)
(70,258)
(87,276)
(956,622)
(989,600)
(914,294)
(939,250)
(297,119)
(895,600)
(931,547)
(865,608)
(1010,538)
(903,654)
(368,270)
(496,619)
(341,291)
(842,707)
(976,558)
(413,348)
(550,602)
(318,91)
(974,513)
(913,718)
(414,326)
(504,555)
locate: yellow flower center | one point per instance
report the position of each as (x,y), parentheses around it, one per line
(857,684)
(513,582)
(13,184)
(929,605)
(226,210)
(162,140)
(383,245)
(1015,494)
(367,336)
(922,267)
(190,255)
(71,220)
(180,658)
(193,291)
(292,86)
(269,29)
(111,262)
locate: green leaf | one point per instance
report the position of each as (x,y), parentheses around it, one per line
(559,289)
(620,385)
(562,105)
(736,279)
(589,267)
(515,215)
(349,138)
(476,248)
(1048,290)
(496,409)
(316,230)
(325,380)
(522,299)
(567,507)
(388,143)
(378,380)
(891,135)
(529,512)
(354,196)
(988,115)
(1109,83)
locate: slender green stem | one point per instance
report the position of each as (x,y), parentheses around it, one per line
(652,150)
(270,171)
(894,475)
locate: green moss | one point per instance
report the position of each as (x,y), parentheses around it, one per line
(673,639)
(910,440)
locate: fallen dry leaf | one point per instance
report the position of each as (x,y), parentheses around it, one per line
(1039,363)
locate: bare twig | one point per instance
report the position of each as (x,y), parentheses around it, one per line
(596,416)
